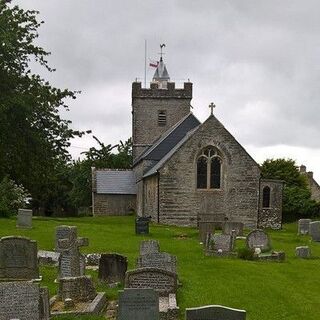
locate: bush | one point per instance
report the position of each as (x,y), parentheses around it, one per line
(246,254)
(12,196)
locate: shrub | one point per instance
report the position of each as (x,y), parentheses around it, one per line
(12,196)
(246,254)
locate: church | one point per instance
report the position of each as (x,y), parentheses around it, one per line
(185,171)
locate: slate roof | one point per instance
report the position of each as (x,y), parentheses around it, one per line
(115,182)
(170,139)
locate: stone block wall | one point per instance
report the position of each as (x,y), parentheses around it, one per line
(271,217)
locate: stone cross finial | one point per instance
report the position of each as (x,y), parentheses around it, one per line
(211,106)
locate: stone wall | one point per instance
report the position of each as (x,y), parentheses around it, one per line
(114,204)
(271,217)
(181,203)
(151,197)
(145,106)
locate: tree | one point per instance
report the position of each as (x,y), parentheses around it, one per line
(297,201)
(33,136)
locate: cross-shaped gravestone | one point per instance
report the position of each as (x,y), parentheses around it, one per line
(211,106)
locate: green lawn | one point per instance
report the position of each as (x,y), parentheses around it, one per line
(266,290)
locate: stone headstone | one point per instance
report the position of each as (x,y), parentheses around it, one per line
(92,259)
(215,312)
(138,304)
(160,260)
(18,259)
(204,228)
(222,242)
(79,289)
(149,246)
(303,252)
(112,268)
(23,300)
(162,281)
(258,239)
(24,218)
(65,232)
(48,257)
(228,226)
(314,230)
(303,226)
(142,225)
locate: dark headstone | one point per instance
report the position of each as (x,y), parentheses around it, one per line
(215,313)
(138,304)
(204,228)
(18,259)
(142,225)
(314,230)
(112,267)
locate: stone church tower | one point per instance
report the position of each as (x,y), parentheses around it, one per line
(157,109)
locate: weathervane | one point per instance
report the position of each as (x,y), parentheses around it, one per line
(161,53)
(211,106)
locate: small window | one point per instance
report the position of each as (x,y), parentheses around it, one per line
(202,173)
(162,118)
(266,197)
(215,173)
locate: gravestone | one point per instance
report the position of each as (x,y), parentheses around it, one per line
(228,226)
(160,260)
(162,281)
(48,257)
(18,258)
(314,230)
(258,239)
(138,304)
(79,289)
(215,312)
(65,232)
(149,246)
(142,225)
(219,243)
(303,252)
(303,226)
(24,218)
(204,228)
(23,300)
(112,268)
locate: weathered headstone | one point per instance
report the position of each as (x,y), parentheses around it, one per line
(142,225)
(219,243)
(204,228)
(112,268)
(228,226)
(303,226)
(65,232)
(215,312)
(314,230)
(18,258)
(303,252)
(24,218)
(162,281)
(149,246)
(79,289)
(23,300)
(48,257)
(160,260)
(258,239)
(138,304)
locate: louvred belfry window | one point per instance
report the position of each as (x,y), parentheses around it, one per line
(162,118)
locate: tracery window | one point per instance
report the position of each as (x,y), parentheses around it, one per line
(266,197)
(209,169)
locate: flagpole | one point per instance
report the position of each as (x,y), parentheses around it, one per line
(145,63)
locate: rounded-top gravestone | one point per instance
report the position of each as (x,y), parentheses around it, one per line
(258,239)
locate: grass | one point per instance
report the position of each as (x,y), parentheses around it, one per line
(266,290)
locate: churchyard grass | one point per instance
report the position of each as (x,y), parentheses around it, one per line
(267,290)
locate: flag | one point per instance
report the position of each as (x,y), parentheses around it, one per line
(154,64)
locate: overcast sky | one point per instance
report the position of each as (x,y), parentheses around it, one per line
(258,61)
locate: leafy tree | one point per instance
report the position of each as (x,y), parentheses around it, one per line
(33,136)
(297,201)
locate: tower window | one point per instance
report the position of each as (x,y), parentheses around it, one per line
(266,197)
(162,118)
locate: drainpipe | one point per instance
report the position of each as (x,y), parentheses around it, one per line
(158,213)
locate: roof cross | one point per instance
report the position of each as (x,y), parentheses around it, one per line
(211,106)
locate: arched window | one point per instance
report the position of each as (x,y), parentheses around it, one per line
(209,169)
(266,197)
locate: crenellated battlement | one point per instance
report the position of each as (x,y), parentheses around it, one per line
(154,92)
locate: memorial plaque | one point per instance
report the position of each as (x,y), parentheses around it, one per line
(112,267)
(303,226)
(258,239)
(215,312)
(24,218)
(142,225)
(228,226)
(138,304)
(314,230)
(149,246)
(160,260)
(18,258)
(162,281)
(23,300)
